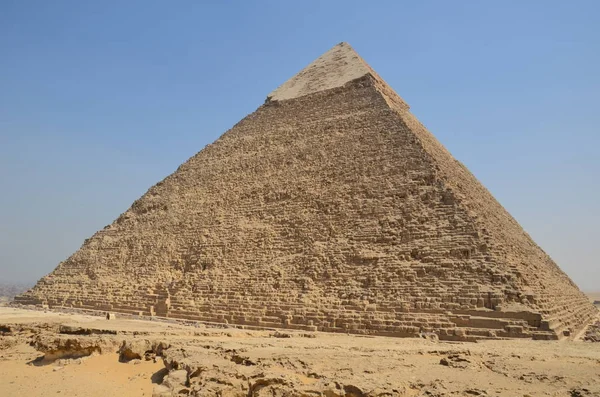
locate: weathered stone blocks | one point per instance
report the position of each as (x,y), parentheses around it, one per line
(335,210)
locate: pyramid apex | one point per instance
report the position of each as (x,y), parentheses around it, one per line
(334,68)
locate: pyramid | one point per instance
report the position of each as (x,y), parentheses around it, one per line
(330,208)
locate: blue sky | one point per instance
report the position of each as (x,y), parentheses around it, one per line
(100,100)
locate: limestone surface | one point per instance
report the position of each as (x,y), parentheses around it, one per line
(330,208)
(333,69)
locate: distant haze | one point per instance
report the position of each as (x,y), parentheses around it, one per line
(10,290)
(98,102)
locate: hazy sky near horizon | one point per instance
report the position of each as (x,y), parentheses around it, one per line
(101,100)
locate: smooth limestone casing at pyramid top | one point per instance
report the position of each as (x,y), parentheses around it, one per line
(329,208)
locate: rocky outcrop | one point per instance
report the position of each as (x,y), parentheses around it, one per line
(55,347)
(217,372)
(137,349)
(207,361)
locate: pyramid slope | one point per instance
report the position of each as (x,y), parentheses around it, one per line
(331,210)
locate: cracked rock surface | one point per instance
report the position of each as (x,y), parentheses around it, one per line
(61,352)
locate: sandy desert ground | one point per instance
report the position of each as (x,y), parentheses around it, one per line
(47,353)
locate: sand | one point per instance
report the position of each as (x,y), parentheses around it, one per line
(96,376)
(238,362)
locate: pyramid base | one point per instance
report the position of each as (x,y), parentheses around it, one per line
(465,325)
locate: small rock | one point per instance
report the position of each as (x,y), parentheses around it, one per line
(476,392)
(580,392)
(455,361)
(278,334)
(176,379)
(161,391)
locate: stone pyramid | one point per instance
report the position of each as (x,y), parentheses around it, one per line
(329,208)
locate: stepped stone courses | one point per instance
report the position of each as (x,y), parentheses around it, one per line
(329,208)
